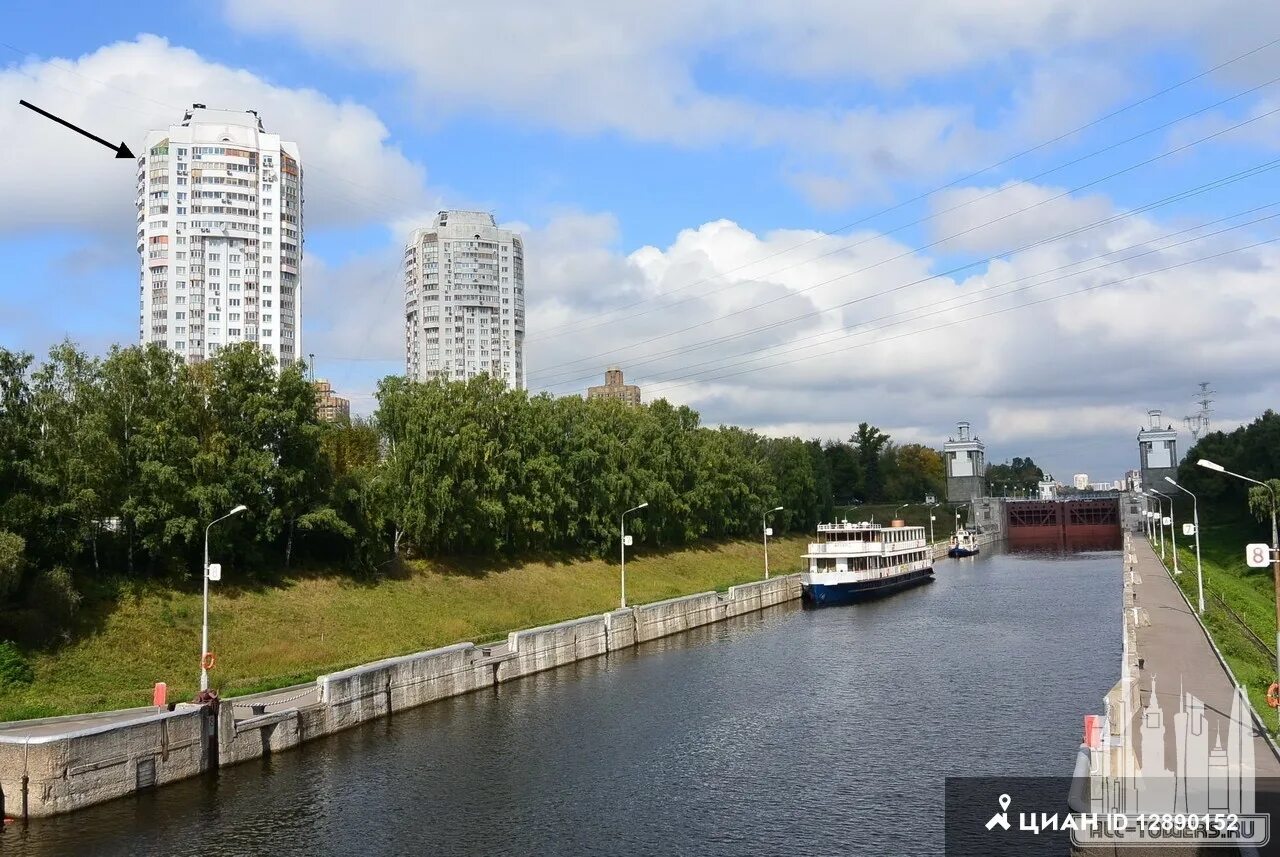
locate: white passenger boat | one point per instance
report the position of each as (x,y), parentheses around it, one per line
(850,561)
(963,543)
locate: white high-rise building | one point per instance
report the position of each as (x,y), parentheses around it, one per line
(220,236)
(464,300)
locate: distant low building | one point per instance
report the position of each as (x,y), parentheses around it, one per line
(614,388)
(330,407)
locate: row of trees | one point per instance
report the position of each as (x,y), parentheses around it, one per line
(870,468)
(1251,450)
(115,466)
(1020,473)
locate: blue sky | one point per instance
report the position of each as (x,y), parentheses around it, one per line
(646,149)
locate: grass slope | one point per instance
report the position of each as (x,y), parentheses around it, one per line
(304,626)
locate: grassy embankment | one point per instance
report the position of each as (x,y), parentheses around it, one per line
(1231,587)
(309,624)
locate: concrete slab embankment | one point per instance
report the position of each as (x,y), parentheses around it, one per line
(73,762)
(46,773)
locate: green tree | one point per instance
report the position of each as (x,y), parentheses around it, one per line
(914,470)
(869,443)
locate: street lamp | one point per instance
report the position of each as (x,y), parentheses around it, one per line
(765,527)
(204,633)
(899,509)
(1173,530)
(1160,519)
(623,529)
(931,519)
(1195,520)
(1275,540)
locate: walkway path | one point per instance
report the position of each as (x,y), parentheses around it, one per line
(1180,658)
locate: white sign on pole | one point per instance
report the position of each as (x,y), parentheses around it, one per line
(768,531)
(215,571)
(626,540)
(1166,521)
(1257,555)
(1188,529)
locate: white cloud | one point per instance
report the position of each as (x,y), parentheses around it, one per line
(1014,214)
(51,177)
(640,70)
(1068,380)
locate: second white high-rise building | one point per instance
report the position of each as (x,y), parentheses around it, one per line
(464,300)
(220,235)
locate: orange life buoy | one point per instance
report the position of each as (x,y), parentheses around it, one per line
(208,661)
(1273,695)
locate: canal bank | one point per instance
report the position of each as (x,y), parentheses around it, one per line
(57,765)
(719,741)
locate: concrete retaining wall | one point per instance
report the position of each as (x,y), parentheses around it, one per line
(551,646)
(375,690)
(67,770)
(244,734)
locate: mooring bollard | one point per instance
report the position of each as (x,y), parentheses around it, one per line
(258,708)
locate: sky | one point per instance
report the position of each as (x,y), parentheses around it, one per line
(1042,218)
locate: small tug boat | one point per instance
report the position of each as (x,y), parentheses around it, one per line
(963,543)
(851,562)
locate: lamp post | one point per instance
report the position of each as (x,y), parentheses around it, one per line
(204,632)
(1195,519)
(899,509)
(623,529)
(1173,531)
(764,526)
(931,517)
(1160,520)
(1275,540)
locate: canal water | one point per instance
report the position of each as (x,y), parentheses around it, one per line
(798,732)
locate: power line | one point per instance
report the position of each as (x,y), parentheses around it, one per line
(910,252)
(1181,195)
(984,315)
(833,335)
(576,324)
(845,333)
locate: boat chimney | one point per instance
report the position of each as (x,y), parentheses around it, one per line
(897,522)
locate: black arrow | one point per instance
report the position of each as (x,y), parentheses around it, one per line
(122,151)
